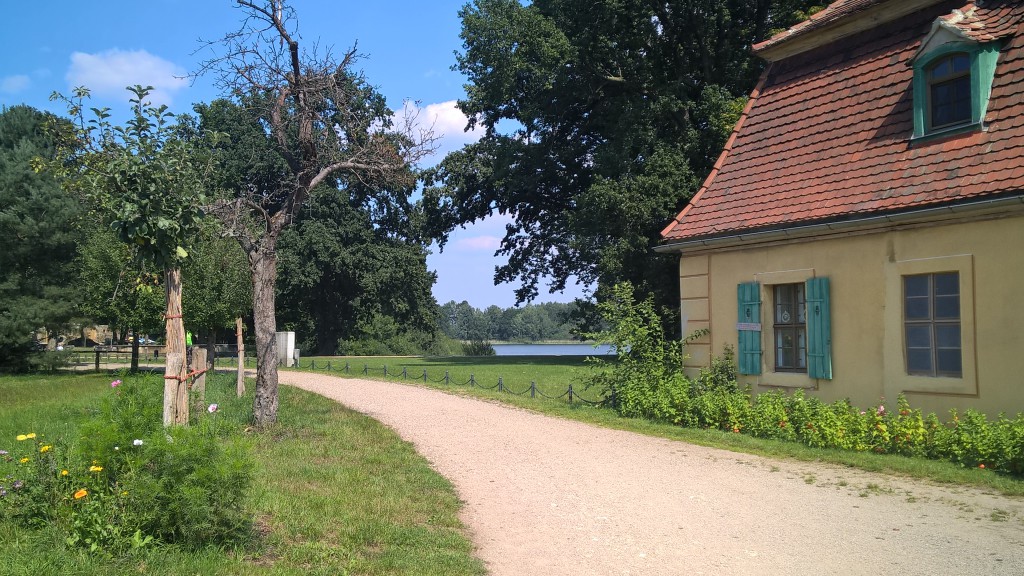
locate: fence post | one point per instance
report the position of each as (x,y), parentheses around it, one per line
(385,370)
(570,393)
(366,369)
(346,368)
(405,372)
(447,379)
(97,360)
(501,385)
(533,388)
(424,374)
(472,380)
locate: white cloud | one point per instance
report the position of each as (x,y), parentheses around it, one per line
(108,73)
(14,84)
(477,244)
(447,122)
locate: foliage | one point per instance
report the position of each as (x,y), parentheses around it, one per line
(116,287)
(645,380)
(129,482)
(148,174)
(596,112)
(38,234)
(528,323)
(382,336)
(341,273)
(217,287)
(478,348)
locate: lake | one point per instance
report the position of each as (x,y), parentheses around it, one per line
(551,349)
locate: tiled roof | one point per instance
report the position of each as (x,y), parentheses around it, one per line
(833,12)
(826,136)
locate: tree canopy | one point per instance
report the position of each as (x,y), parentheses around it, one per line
(38,236)
(601,119)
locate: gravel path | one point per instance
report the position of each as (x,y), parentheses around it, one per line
(546,496)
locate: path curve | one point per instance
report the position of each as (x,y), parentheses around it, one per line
(547,496)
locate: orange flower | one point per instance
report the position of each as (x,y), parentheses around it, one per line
(81,494)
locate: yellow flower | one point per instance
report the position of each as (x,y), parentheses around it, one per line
(81,494)
(95,468)
(24,460)
(22,437)
(44,449)
(125,493)
(63,472)
(30,435)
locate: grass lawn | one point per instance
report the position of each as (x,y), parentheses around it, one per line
(335,492)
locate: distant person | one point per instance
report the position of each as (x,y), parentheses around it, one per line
(188,348)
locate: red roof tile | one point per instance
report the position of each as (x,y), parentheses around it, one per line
(826,134)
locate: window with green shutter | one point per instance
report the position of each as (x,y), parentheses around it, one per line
(749,327)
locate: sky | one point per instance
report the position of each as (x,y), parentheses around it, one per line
(408,47)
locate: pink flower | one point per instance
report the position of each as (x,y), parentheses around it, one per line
(881,410)
(115,383)
(212,408)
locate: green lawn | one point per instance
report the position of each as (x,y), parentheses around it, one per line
(336,492)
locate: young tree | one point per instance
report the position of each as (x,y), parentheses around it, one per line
(149,177)
(326,126)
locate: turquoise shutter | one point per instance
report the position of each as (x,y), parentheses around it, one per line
(749,327)
(819,329)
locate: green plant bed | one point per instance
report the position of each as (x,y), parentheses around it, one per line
(334,493)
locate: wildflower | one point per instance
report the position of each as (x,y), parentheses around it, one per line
(95,468)
(212,408)
(881,410)
(64,472)
(2,492)
(982,466)
(22,437)
(81,494)
(30,435)
(125,493)
(115,383)
(137,442)
(44,449)
(24,460)
(116,449)
(17,484)
(3,452)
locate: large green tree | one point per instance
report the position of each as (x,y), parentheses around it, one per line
(339,271)
(38,235)
(325,126)
(601,119)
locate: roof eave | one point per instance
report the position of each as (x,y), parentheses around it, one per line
(798,40)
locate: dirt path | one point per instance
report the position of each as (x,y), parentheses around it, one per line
(545,496)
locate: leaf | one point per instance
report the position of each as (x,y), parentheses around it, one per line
(181,252)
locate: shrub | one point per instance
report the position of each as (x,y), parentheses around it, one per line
(477,348)
(645,379)
(129,482)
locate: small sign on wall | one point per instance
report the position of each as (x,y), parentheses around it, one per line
(752,326)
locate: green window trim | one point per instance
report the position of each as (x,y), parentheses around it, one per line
(749,327)
(819,329)
(983,67)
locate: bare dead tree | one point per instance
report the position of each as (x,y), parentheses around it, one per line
(327,125)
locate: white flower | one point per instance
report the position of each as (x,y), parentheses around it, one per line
(212,408)
(116,448)
(137,442)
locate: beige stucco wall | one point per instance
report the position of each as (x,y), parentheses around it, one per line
(865,271)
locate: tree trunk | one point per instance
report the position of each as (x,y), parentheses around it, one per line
(264,273)
(135,350)
(175,386)
(240,383)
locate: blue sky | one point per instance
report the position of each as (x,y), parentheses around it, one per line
(55,45)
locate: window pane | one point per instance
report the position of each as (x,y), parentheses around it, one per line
(801,305)
(919,361)
(947,336)
(801,348)
(947,307)
(917,309)
(915,286)
(960,63)
(919,337)
(947,284)
(950,362)
(951,101)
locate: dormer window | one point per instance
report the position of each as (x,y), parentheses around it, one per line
(952,84)
(949,91)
